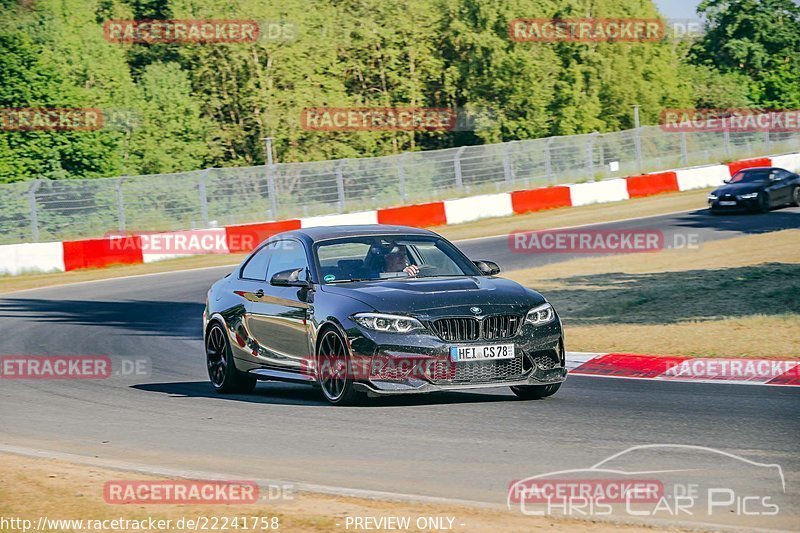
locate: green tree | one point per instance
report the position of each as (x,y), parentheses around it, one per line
(758,38)
(173,136)
(31,80)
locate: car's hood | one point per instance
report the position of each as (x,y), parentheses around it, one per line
(434,296)
(741,188)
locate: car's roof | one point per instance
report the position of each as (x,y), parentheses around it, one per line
(333,232)
(748,169)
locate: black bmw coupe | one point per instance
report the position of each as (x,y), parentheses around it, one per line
(756,189)
(378,310)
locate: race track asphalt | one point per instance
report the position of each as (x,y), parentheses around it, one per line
(459,445)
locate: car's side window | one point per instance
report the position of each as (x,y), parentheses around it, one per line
(256,266)
(286,255)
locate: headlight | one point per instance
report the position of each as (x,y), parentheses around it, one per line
(540,315)
(387,323)
(748,196)
(712,197)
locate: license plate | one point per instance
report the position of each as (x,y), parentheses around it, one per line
(727,202)
(494,352)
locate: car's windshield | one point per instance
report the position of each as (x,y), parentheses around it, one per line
(389,257)
(747,176)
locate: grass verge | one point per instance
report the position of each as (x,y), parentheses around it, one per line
(736,297)
(34,488)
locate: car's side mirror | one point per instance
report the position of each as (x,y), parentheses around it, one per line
(294,277)
(487,268)
(726,181)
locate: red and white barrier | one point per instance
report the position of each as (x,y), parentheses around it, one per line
(245,237)
(95,253)
(16,259)
(650,184)
(702,177)
(790,162)
(783,372)
(175,244)
(99,253)
(598,192)
(477,207)
(541,199)
(419,216)
(360,217)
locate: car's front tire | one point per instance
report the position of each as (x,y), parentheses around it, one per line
(221,368)
(334,371)
(762,203)
(796,197)
(535,392)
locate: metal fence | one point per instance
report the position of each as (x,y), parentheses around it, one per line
(45,210)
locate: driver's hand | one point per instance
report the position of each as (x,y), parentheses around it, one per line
(411,270)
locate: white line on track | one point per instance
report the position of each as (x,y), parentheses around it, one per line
(173,473)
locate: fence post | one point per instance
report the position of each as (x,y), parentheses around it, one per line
(340,184)
(767,140)
(401,173)
(638,139)
(508,170)
(548,163)
(727,136)
(203,198)
(590,154)
(273,195)
(120,204)
(684,150)
(273,192)
(32,203)
(457,167)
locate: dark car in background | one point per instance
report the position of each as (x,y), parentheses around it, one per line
(378,310)
(756,189)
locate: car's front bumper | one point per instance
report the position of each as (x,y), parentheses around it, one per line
(725,204)
(419,386)
(539,360)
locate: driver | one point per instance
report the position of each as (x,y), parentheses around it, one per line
(397,261)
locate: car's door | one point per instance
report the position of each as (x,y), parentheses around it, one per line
(781,188)
(278,318)
(248,288)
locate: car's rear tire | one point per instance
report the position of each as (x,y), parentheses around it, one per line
(334,371)
(535,392)
(796,197)
(221,367)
